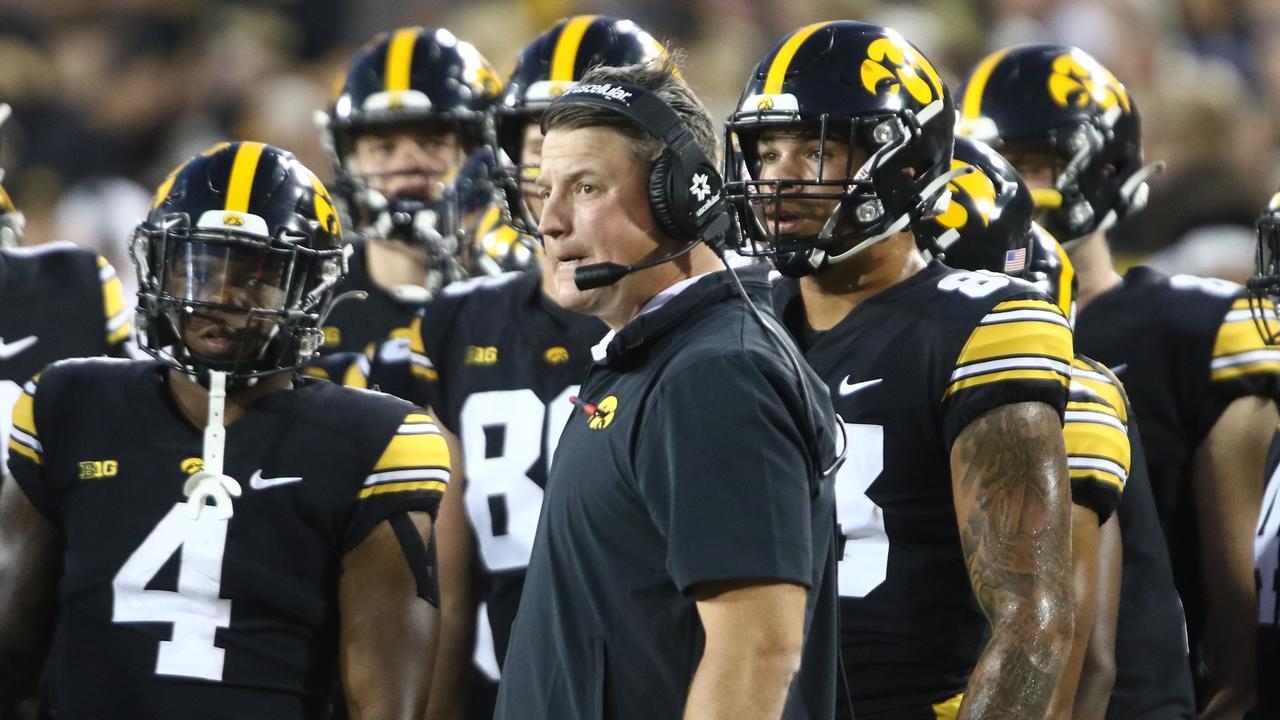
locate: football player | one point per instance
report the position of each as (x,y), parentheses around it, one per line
(499,360)
(412,106)
(1265,290)
(1200,378)
(134,597)
(955,504)
(59,301)
(988,227)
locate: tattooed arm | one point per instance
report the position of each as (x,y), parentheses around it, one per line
(1013,505)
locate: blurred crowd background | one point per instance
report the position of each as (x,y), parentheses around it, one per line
(109,95)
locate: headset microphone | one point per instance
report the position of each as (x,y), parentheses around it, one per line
(598,275)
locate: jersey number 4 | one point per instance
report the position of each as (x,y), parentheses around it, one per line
(195,610)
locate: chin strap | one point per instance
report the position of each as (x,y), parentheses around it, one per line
(210,482)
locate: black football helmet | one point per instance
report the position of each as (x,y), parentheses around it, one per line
(1264,286)
(548,66)
(1059,102)
(412,77)
(988,219)
(12,222)
(860,85)
(236,263)
(988,226)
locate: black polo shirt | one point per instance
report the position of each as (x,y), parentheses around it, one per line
(694,458)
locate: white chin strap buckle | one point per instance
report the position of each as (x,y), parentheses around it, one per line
(210,482)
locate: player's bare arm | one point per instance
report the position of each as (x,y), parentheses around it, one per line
(1098,676)
(1226,480)
(389,632)
(457,600)
(1084,591)
(29,570)
(754,640)
(1009,479)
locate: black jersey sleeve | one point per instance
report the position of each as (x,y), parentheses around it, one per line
(1242,364)
(410,474)
(1019,351)
(723,469)
(1097,438)
(26,454)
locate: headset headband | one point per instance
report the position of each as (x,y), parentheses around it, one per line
(642,107)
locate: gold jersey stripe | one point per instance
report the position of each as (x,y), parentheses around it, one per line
(1237,337)
(1110,389)
(1090,439)
(24,415)
(1099,476)
(25,451)
(1231,373)
(415,337)
(778,68)
(417,419)
(355,378)
(1033,304)
(413,451)
(113,305)
(429,485)
(425,373)
(243,168)
(565,56)
(1017,339)
(315,372)
(1004,376)
(400,59)
(971,107)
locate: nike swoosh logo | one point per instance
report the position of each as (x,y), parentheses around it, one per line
(848,388)
(1119,368)
(257,482)
(8,350)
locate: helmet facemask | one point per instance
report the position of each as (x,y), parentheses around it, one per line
(860,203)
(1264,286)
(228,300)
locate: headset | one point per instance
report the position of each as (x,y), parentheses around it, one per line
(685,196)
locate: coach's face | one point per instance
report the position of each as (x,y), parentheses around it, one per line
(596,209)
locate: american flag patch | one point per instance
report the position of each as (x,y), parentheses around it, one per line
(1015,260)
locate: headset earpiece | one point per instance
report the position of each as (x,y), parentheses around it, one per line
(660,197)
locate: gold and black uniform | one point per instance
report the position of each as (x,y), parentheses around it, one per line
(908,371)
(355,325)
(1185,347)
(162,615)
(56,301)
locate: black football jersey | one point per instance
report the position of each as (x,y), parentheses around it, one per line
(165,615)
(56,301)
(498,363)
(908,370)
(1185,347)
(1266,554)
(1096,434)
(354,325)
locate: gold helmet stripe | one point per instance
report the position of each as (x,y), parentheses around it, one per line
(324,207)
(162,192)
(1065,279)
(243,168)
(781,61)
(970,108)
(565,56)
(6,203)
(400,58)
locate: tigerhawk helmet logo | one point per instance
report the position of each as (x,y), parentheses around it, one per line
(765,103)
(892,66)
(1077,81)
(982,196)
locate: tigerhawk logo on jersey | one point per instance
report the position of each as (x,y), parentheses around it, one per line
(557,355)
(893,66)
(603,415)
(192,465)
(1078,81)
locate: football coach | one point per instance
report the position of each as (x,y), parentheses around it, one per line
(684,564)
